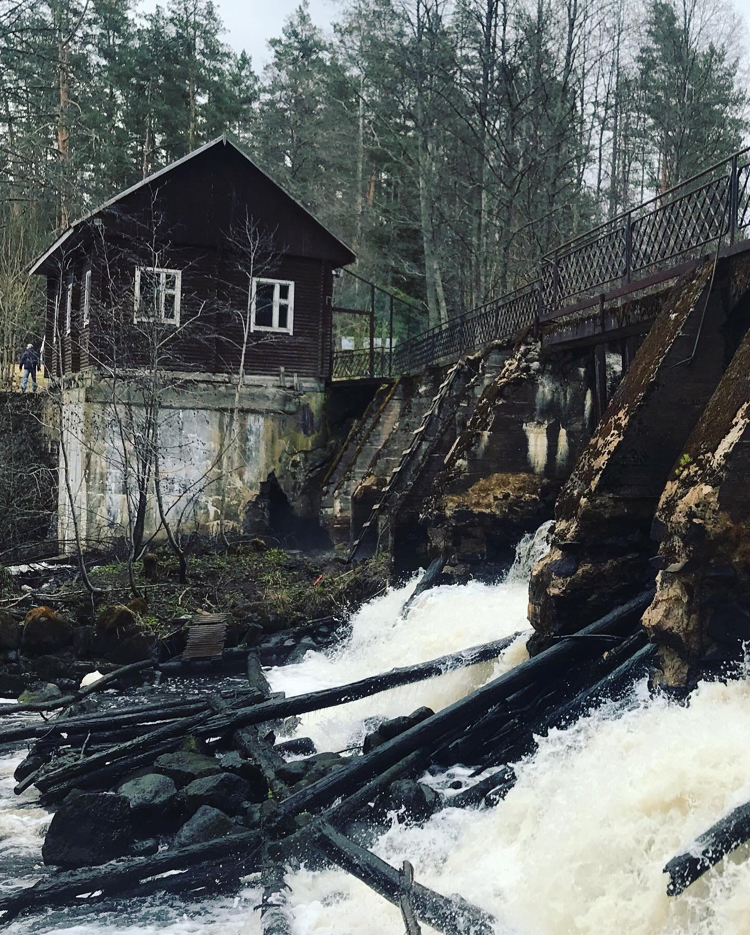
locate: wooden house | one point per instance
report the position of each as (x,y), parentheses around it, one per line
(209,248)
(205,271)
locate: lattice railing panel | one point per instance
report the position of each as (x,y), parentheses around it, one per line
(743,197)
(638,248)
(594,263)
(467,332)
(675,228)
(355,364)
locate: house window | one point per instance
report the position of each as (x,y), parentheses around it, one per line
(272,305)
(86,298)
(68,306)
(157,294)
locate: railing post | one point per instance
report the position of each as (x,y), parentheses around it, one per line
(555,284)
(539,307)
(628,247)
(372,331)
(734,199)
(390,339)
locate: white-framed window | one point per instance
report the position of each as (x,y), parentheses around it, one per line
(86,298)
(68,306)
(157,294)
(272,305)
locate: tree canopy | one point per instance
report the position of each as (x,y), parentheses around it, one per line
(451,143)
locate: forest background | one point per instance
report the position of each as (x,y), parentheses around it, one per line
(451,143)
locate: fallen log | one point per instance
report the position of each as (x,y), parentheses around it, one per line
(428,580)
(330,697)
(119,759)
(273,917)
(103,723)
(72,773)
(108,775)
(405,902)
(514,738)
(235,854)
(67,700)
(708,849)
(458,716)
(452,915)
(497,785)
(609,685)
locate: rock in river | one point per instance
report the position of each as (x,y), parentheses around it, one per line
(89,828)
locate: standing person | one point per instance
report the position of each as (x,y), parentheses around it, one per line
(29,363)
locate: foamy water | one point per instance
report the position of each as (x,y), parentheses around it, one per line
(578,846)
(443,620)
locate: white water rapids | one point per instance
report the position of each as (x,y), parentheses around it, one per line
(578,845)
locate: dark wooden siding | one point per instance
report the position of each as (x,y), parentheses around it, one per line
(266,352)
(188,222)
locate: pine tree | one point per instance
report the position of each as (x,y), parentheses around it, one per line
(692,101)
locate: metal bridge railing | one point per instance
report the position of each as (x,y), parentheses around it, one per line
(637,247)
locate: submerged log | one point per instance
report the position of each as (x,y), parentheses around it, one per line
(234,855)
(708,849)
(428,580)
(329,697)
(458,716)
(66,700)
(452,915)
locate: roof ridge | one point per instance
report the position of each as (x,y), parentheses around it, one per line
(225,138)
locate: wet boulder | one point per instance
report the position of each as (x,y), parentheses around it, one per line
(29,765)
(205,825)
(184,767)
(89,828)
(45,631)
(120,637)
(40,693)
(257,787)
(83,638)
(153,797)
(145,848)
(294,772)
(397,725)
(412,801)
(225,790)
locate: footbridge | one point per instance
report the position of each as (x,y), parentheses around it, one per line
(582,286)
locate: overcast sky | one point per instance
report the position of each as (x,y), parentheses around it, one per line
(251,23)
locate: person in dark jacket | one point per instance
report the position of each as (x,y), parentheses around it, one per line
(29,363)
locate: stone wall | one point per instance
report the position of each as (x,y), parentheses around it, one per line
(214,468)
(500,477)
(485,468)
(700,614)
(601,545)
(28,474)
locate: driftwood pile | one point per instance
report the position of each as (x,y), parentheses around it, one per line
(320,814)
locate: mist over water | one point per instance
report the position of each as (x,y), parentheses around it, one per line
(578,845)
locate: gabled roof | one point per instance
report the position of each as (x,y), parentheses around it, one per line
(223,140)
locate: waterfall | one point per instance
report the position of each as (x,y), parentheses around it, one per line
(579,844)
(445,619)
(576,848)
(532,547)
